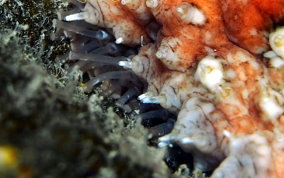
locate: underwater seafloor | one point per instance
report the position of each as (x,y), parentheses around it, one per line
(48,126)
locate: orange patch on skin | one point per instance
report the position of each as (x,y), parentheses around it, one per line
(243,125)
(229,110)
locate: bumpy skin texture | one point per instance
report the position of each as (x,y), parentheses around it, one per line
(205,66)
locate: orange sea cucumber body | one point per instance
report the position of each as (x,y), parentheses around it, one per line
(234,34)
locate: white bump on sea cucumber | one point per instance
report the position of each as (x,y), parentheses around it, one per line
(191,14)
(210,72)
(276,41)
(152,3)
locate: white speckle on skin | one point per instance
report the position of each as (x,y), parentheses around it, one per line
(276,40)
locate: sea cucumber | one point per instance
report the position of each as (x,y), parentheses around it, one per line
(203,59)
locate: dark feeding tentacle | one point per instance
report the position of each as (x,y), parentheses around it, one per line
(175,157)
(130,93)
(128,101)
(155,117)
(162,129)
(159,120)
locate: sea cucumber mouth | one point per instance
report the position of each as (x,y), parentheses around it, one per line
(103,62)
